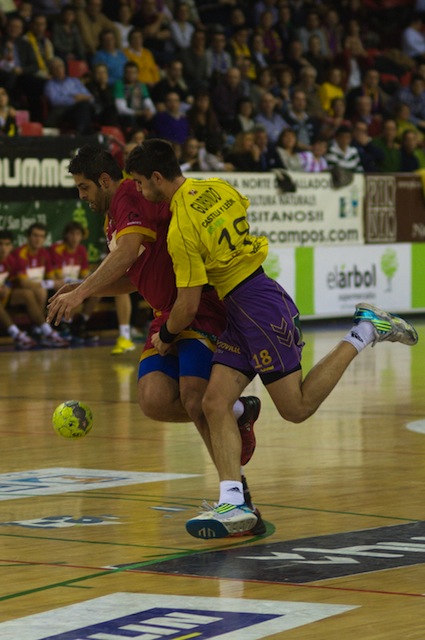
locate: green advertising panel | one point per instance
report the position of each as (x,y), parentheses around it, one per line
(18,216)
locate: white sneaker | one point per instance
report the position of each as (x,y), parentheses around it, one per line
(23,341)
(222,521)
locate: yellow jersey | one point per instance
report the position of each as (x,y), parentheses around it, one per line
(208,238)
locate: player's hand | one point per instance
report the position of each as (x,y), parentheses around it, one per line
(161,347)
(66,288)
(61,305)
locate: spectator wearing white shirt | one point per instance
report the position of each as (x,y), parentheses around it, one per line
(413,40)
(124,24)
(181,28)
(342,153)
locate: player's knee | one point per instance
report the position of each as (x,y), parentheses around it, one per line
(212,406)
(149,405)
(192,403)
(296,415)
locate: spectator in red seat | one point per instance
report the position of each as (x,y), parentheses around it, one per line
(70,102)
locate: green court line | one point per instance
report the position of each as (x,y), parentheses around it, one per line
(138,565)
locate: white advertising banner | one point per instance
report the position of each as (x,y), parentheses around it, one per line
(379,275)
(315,214)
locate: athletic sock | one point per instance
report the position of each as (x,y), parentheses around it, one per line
(46,329)
(124,330)
(238,409)
(361,335)
(231,492)
(13,331)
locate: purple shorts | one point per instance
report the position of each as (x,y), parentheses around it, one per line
(263,334)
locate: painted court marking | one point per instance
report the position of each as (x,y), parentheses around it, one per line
(44,482)
(121,615)
(418,426)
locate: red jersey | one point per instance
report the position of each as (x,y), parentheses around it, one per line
(35,266)
(8,269)
(69,264)
(152,273)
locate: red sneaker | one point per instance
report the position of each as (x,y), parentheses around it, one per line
(252,406)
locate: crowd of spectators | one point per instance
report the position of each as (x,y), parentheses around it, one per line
(241,85)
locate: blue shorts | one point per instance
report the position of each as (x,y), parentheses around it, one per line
(190,357)
(263,334)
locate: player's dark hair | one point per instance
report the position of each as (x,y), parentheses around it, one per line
(5,234)
(36,225)
(92,161)
(72,226)
(154,155)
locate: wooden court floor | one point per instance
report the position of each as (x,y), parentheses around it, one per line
(98,523)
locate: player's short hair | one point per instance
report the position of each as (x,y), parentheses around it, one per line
(154,155)
(91,161)
(72,226)
(36,225)
(5,234)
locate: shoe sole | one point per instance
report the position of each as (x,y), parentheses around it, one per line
(207,529)
(409,332)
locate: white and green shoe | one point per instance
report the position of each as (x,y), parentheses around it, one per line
(387,326)
(221,521)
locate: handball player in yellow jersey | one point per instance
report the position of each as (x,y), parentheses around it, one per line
(170,389)
(210,243)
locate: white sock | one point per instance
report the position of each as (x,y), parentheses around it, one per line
(231,492)
(238,409)
(13,331)
(46,329)
(125,331)
(361,335)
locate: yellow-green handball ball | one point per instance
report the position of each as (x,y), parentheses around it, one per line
(72,419)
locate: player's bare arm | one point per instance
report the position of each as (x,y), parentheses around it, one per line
(111,269)
(182,314)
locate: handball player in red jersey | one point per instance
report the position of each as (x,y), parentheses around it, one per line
(170,388)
